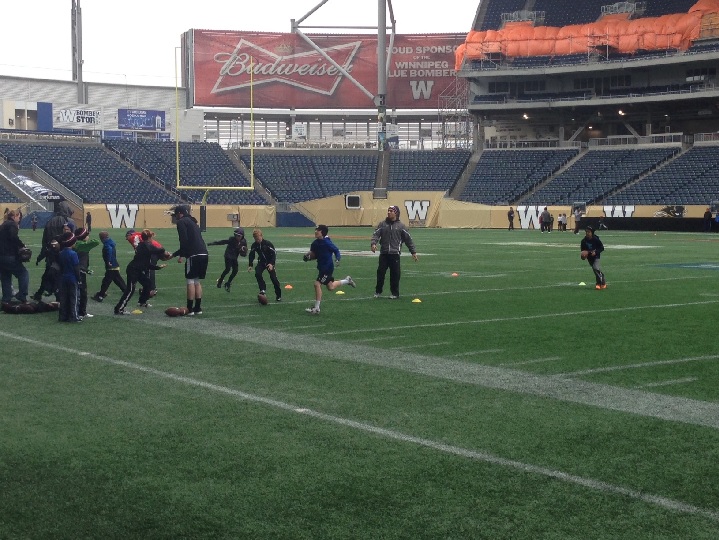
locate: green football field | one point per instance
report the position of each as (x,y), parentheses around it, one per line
(501,397)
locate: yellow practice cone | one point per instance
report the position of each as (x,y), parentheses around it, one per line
(416,301)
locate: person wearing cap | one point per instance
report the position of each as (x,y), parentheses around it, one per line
(112,268)
(194,251)
(138,271)
(391,234)
(10,264)
(82,248)
(236,247)
(69,295)
(266,258)
(592,247)
(322,249)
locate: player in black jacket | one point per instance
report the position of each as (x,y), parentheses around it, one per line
(266,257)
(139,271)
(592,245)
(236,247)
(193,249)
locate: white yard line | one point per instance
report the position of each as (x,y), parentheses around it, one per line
(475,455)
(476,353)
(524,317)
(639,365)
(668,383)
(420,345)
(532,361)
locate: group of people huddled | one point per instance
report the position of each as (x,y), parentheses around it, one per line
(66,251)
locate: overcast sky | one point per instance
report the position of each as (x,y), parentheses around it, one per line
(133,41)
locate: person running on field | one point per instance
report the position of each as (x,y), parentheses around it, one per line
(323,249)
(391,234)
(236,247)
(592,248)
(112,268)
(266,257)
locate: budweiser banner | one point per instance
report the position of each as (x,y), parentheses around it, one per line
(284,71)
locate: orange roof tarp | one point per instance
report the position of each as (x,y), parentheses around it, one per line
(676,31)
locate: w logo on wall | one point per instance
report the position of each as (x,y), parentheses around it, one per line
(122,216)
(417,212)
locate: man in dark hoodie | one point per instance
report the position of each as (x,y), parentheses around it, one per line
(236,247)
(391,234)
(194,251)
(592,247)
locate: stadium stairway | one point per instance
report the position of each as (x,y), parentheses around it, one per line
(645,175)
(126,163)
(259,188)
(551,177)
(464,178)
(382,179)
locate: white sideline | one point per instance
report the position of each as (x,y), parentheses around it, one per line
(597,485)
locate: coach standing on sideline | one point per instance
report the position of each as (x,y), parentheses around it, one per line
(10,265)
(194,250)
(391,234)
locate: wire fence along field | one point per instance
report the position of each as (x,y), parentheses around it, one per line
(497,398)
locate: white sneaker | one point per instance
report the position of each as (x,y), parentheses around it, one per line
(313,310)
(88,316)
(393,297)
(377,295)
(351,282)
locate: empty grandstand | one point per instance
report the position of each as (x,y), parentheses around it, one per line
(552,102)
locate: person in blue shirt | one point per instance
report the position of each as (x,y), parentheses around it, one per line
(69,294)
(323,249)
(112,268)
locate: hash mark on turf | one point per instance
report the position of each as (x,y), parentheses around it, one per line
(639,365)
(668,383)
(533,361)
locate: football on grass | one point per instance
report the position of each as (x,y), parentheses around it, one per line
(262,299)
(176,311)
(585,254)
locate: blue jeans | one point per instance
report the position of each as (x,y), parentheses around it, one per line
(9,267)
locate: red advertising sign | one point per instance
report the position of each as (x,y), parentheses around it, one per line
(284,71)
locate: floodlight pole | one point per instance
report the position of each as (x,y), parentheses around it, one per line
(380,98)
